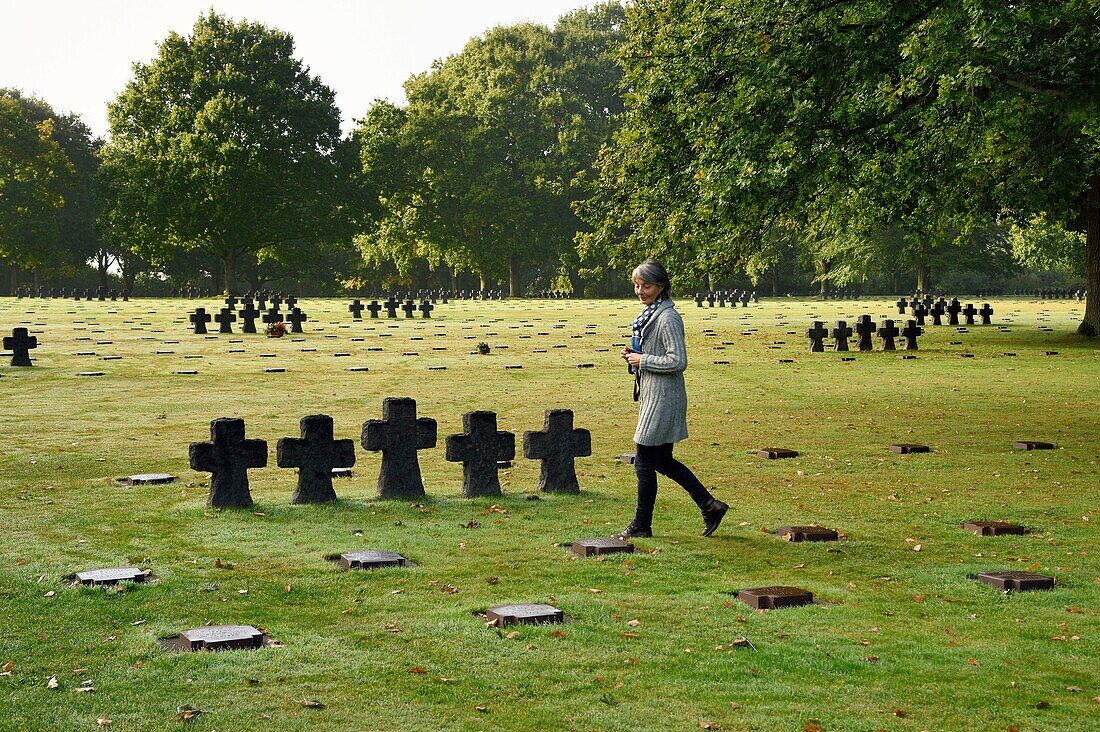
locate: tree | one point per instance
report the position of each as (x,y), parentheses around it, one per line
(33,170)
(941,118)
(227,141)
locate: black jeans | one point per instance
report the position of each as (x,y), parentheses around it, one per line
(652,459)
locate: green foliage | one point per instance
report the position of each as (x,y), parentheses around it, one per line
(1040,243)
(937,118)
(35,175)
(224,142)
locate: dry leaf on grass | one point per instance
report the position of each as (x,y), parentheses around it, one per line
(312,704)
(52,683)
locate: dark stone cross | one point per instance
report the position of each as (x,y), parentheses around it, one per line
(710,300)
(231,302)
(224,319)
(356,309)
(228,456)
(865,330)
(273,315)
(699,299)
(391,306)
(291,301)
(409,307)
(816,335)
(969,312)
(398,435)
(296,317)
(920,312)
(557,446)
(902,304)
(888,332)
(374,308)
(19,343)
(841,333)
(936,311)
(953,309)
(315,454)
(986,312)
(249,313)
(479,449)
(426,308)
(200,318)
(910,333)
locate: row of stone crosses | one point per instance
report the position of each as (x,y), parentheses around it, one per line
(928,307)
(480,447)
(100,293)
(1055,293)
(723,296)
(864,329)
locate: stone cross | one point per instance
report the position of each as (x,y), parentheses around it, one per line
(557,446)
(902,303)
(398,435)
(296,317)
(224,319)
(391,306)
(969,312)
(936,311)
(426,308)
(409,307)
(910,333)
(19,343)
(291,301)
(841,333)
(228,456)
(356,309)
(888,332)
(231,302)
(249,313)
(315,454)
(865,329)
(699,299)
(273,315)
(479,449)
(953,312)
(919,313)
(986,312)
(200,318)
(816,334)
(374,308)
(710,299)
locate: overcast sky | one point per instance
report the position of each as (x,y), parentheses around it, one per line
(77,55)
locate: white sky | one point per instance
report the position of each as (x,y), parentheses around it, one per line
(77,55)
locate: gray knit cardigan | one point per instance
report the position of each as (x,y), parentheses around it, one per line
(662,397)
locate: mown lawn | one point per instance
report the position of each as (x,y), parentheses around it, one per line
(903,637)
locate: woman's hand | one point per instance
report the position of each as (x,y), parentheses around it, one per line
(631,357)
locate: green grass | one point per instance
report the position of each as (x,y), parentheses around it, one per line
(903,639)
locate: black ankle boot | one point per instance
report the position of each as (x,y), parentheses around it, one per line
(712,515)
(633,531)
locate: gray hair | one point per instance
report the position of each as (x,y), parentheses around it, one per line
(654,273)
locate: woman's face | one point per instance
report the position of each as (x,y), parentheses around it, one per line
(646,292)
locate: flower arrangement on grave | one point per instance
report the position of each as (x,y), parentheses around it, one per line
(275,330)
(483,348)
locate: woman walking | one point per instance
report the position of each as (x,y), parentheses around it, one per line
(657,357)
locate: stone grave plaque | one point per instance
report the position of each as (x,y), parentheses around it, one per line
(1020,581)
(770,598)
(776,453)
(502,615)
(628,458)
(151,478)
(342,473)
(110,576)
(806,533)
(221,638)
(994,528)
(371,559)
(598,547)
(1032,445)
(905,449)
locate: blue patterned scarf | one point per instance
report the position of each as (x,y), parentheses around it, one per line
(645,315)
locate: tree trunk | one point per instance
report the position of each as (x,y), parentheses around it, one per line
(513,277)
(576,283)
(1090,326)
(775,280)
(229,268)
(14,279)
(894,282)
(483,280)
(923,273)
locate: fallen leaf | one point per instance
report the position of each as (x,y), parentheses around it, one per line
(52,683)
(1074,689)
(51,593)
(482,708)
(138,622)
(634,623)
(417,670)
(217,563)
(974,662)
(1075,610)
(813,726)
(512,635)
(624,634)
(871,659)
(312,704)
(445,680)
(709,725)
(85,687)
(187,712)
(916,547)
(1042,705)
(103,722)
(557,634)
(901,713)
(734,705)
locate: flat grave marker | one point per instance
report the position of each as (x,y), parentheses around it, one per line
(994,528)
(110,576)
(372,559)
(221,638)
(806,533)
(530,614)
(1016,581)
(601,546)
(771,598)
(776,453)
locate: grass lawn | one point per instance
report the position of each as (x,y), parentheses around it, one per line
(903,637)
